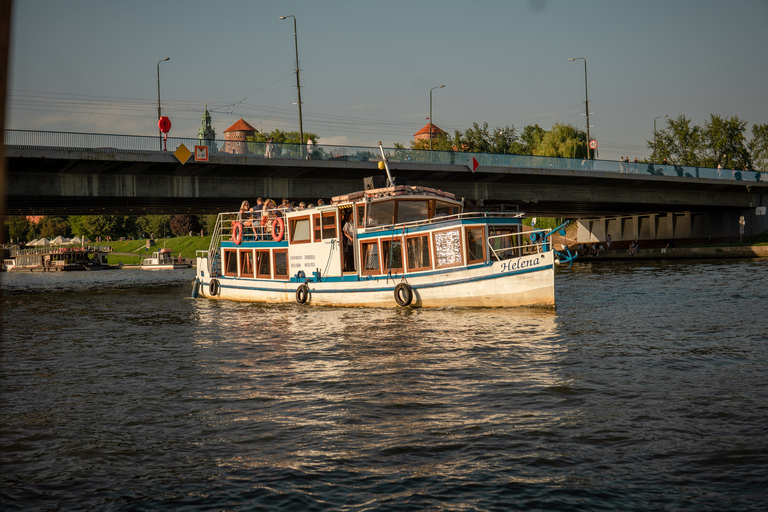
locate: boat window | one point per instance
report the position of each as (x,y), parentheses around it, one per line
(263,267)
(443,209)
(360,215)
(448,251)
(418,252)
(475,245)
(281,263)
(392,252)
(381,213)
(299,229)
(409,211)
(246,263)
(230,262)
(370,257)
(329,225)
(505,242)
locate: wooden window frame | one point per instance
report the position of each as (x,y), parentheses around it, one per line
(324,226)
(229,253)
(242,256)
(483,244)
(461,247)
(364,271)
(256,264)
(274,263)
(429,247)
(292,228)
(383,258)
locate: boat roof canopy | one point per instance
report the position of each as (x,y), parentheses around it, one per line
(392,192)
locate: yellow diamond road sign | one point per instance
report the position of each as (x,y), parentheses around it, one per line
(182,153)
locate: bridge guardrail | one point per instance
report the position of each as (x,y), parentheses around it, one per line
(113,143)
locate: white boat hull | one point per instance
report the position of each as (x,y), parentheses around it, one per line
(524,281)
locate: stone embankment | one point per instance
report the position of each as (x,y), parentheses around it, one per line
(754,251)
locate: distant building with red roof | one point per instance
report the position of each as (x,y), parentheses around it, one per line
(424,133)
(236,135)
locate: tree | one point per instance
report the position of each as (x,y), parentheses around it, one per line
(758,147)
(184,224)
(530,139)
(153,225)
(563,140)
(723,142)
(19,229)
(679,143)
(256,143)
(51,227)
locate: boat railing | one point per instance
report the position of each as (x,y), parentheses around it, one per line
(514,245)
(256,226)
(444,218)
(56,249)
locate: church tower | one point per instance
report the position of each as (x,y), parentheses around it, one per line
(206,134)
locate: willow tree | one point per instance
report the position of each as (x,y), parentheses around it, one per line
(564,141)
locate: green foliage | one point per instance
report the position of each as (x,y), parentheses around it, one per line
(723,143)
(758,146)
(19,228)
(51,227)
(563,140)
(153,225)
(182,225)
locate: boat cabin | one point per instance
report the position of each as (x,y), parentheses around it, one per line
(394,231)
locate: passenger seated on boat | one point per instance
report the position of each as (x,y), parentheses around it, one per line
(245,215)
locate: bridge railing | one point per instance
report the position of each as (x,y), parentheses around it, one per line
(222,151)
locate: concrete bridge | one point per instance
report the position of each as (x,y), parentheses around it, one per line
(51,173)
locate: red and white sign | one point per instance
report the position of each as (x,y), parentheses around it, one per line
(201,153)
(474,164)
(593,144)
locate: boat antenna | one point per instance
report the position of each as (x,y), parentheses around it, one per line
(390,182)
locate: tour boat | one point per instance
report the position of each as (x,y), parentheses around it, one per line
(163,260)
(411,246)
(53,259)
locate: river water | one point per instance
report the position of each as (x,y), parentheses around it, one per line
(647,389)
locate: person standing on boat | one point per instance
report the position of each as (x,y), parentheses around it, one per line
(349,239)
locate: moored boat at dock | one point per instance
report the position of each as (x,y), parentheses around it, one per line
(407,246)
(163,260)
(58,259)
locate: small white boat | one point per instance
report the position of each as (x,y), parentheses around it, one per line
(163,260)
(411,246)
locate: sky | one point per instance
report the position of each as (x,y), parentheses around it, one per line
(367,67)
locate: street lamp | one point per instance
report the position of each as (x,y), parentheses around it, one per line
(298,82)
(654,134)
(586,89)
(431,124)
(158,100)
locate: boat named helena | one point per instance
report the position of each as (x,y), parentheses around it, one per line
(380,247)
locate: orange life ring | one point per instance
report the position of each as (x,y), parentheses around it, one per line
(237,232)
(278,229)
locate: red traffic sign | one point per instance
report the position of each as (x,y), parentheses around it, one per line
(593,144)
(474,164)
(164,124)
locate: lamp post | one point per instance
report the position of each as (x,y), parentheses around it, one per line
(298,82)
(586,90)
(158,100)
(654,134)
(431,124)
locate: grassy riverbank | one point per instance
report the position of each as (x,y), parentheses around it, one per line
(131,252)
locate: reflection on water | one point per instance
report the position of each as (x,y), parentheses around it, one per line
(644,390)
